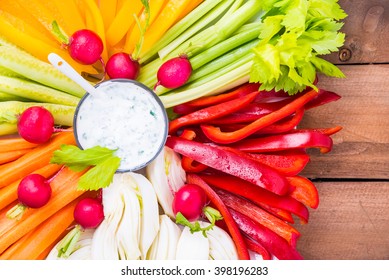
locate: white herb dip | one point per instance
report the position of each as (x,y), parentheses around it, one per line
(126,116)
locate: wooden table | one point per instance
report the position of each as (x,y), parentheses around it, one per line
(352,221)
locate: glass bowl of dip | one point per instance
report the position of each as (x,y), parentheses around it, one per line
(122,115)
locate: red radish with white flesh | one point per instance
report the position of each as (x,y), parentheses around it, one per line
(89,213)
(122,65)
(36,125)
(174,73)
(85,46)
(34,191)
(189,200)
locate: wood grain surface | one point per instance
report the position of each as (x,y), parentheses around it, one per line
(352,221)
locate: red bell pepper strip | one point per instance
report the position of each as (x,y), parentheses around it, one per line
(304,190)
(257,195)
(212,112)
(229,221)
(247,169)
(287,141)
(289,163)
(217,99)
(216,135)
(283,125)
(257,248)
(272,242)
(259,215)
(188,164)
(251,112)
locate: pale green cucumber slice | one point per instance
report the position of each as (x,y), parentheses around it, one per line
(8,128)
(32,68)
(8,73)
(63,114)
(10,97)
(35,91)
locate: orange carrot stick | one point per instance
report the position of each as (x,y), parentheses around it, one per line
(44,235)
(14,143)
(9,194)
(37,158)
(6,157)
(64,187)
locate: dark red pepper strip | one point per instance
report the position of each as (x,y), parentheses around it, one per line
(230,163)
(323,97)
(304,190)
(257,195)
(288,164)
(212,112)
(231,225)
(217,136)
(272,242)
(255,247)
(259,215)
(287,141)
(190,165)
(216,99)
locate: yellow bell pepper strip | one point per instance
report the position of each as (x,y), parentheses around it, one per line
(108,11)
(14,8)
(163,22)
(230,163)
(123,20)
(93,10)
(71,15)
(36,47)
(217,136)
(272,242)
(212,112)
(20,24)
(233,229)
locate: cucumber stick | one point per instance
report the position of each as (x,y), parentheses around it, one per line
(8,97)
(36,92)
(32,68)
(63,114)
(8,128)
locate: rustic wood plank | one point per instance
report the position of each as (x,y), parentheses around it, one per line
(367,32)
(350,223)
(361,149)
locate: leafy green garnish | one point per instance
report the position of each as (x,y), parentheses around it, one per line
(212,215)
(294,33)
(103,161)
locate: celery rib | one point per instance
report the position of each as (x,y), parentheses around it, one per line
(179,28)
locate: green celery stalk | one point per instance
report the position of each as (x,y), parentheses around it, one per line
(34,91)
(179,28)
(32,68)
(217,84)
(225,46)
(63,114)
(199,25)
(221,65)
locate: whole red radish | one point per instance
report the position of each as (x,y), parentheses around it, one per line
(89,213)
(34,191)
(85,46)
(189,200)
(174,72)
(36,125)
(122,65)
